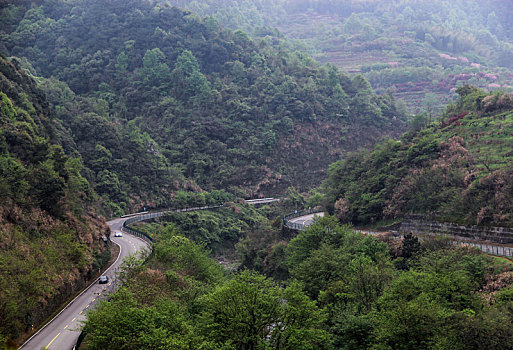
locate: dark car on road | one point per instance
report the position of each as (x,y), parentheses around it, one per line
(103,279)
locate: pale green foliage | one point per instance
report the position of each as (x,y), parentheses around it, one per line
(242,312)
(122,63)
(124,324)
(155,71)
(251,312)
(6,107)
(188,80)
(186,257)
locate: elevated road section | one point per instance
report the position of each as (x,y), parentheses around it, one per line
(300,220)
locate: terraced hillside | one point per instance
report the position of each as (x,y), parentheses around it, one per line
(420,51)
(393,59)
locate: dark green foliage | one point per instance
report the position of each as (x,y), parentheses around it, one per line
(181,300)
(262,315)
(353,297)
(219,229)
(182,199)
(410,247)
(164,101)
(123,323)
(101,259)
(419,51)
(435,304)
(184,257)
(33,168)
(153,105)
(262,249)
(327,256)
(243,322)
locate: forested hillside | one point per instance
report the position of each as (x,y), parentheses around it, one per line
(337,289)
(158,100)
(459,169)
(112,106)
(50,236)
(420,51)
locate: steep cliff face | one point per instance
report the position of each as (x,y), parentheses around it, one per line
(50,236)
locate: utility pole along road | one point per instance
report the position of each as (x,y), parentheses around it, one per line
(62,332)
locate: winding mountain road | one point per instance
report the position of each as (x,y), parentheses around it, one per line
(62,332)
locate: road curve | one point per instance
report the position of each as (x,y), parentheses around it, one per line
(62,332)
(306,220)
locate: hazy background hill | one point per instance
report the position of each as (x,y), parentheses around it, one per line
(419,51)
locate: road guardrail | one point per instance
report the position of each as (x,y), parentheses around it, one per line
(158,214)
(496,250)
(298,213)
(491,249)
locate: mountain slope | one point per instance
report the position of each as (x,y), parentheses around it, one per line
(49,233)
(458,169)
(164,101)
(420,51)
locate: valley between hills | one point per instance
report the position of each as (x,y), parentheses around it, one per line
(393,120)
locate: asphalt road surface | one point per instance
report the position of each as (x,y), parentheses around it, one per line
(62,332)
(306,220)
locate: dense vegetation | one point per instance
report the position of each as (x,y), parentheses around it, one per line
(133,104)
(130,104)
(219,229)
(158,100)
(418,50)
(459,168)
(346,291)
(49,232)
